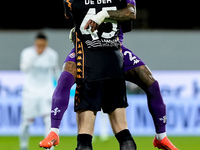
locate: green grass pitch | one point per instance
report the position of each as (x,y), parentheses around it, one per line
(69,143)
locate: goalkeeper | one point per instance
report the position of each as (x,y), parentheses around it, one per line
(137,72)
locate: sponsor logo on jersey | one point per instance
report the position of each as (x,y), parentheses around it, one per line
(79,64)
(136,61)
(80,52)
(79,70)
(79,57)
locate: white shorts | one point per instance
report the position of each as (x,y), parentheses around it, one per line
(36,105)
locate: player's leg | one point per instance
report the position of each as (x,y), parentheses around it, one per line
(61,94)
(29,112)
(47,124)
(44,111)
(85,122)
(114,103)
(87,102)
(140,75)
(103,126)
(120,129)
(24,134)
(143,78)
(60,99)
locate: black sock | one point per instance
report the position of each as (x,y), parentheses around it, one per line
(125,140)
(84,142)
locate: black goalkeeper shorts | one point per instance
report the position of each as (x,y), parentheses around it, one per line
(106,94)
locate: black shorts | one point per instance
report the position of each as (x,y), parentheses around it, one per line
(104,94)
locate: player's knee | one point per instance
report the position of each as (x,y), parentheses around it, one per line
(70,67)
(153,88)
(154,95)
(66,79)
(26,123)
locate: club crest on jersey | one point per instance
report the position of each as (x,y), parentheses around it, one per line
(55,111)
(72,55)
(91,2)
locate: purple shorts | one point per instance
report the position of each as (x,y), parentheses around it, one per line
(130,60)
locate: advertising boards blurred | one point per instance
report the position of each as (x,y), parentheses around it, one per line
(180,90)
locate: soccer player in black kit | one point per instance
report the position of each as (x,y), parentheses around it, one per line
(136,72)
(100,81)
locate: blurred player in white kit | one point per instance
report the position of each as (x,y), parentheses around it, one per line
(40,66)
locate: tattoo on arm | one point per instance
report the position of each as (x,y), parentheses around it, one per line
(123,14)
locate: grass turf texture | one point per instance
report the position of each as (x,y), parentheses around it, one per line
(69,143)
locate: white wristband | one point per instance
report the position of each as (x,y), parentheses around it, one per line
(100,16)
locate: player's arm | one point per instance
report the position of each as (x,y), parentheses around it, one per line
(124,14)
(127,13)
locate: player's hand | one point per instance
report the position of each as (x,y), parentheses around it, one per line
(96,20)
(94,26)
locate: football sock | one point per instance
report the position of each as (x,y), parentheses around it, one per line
(47,124)
(125,140)
(56,130)
(84,142)
(160,136)
(157,107)
(60,98)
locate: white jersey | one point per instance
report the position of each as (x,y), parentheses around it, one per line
(39,70)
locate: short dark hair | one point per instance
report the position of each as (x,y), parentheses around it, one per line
(41,35)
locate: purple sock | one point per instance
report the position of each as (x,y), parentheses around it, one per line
(157,107)
(60,98)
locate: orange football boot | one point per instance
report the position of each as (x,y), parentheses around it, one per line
(52,139)
(164,144)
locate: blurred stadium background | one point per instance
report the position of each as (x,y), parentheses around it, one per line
(166,36)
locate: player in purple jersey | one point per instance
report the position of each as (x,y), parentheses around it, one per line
(138,73)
